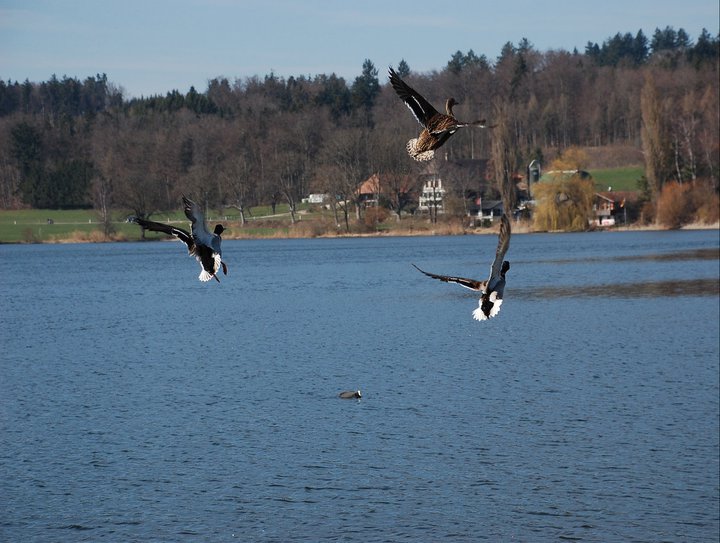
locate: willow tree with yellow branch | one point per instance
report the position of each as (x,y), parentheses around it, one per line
(565,200)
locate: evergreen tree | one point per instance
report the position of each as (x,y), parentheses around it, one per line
(9,98)
(682,40)
(640,49)
(664,40)
(592,51)
(365,90)
(455,64)
(27,147)
(335,95)
(706,49)
(403,70)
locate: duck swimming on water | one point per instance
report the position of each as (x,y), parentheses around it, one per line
(437,127)
(202,244)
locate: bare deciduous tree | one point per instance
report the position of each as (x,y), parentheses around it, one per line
(655,139)
(347,153)
(505,154)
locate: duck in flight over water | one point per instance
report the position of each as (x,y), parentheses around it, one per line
(492,290)
(202,244)
(437,127)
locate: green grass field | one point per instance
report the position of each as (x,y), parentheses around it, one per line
(29,225)
(36,225)
(625,178)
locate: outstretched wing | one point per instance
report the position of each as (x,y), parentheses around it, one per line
(197,218)
(472,284)
(182,235)
(421,108)
(502,247)
(450,125)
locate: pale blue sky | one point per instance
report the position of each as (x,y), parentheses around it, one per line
(154,46)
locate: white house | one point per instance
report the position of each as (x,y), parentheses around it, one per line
(315,199)
(432,195)
(486,210)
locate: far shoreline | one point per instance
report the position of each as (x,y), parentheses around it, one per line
(94,237)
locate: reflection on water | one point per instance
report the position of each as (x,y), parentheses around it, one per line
(693,254)
(648,289)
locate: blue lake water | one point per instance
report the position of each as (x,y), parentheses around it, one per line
(139,404)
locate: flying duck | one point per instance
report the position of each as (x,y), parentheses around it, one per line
(350,395)
(437,127)
(201,244)
(492,289)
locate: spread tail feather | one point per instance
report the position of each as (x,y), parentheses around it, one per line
(205,276)
(412,150)
(479,314)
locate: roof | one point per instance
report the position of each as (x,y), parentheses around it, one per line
(553,175)
(619,195)
(380,183)
(487,205)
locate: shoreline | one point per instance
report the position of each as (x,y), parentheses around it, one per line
(517,229)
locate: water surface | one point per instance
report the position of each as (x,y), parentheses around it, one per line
(138,404)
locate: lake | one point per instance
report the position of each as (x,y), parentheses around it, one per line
(138,404)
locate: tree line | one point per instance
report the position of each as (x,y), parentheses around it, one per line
(67,143)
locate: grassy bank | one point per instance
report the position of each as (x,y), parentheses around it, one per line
(68,226)
(31,226)
(52,225)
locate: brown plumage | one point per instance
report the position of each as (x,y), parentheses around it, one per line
(437,127)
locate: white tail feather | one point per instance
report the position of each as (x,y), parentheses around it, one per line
(478,313)
(205,276)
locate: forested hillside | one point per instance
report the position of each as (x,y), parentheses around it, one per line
(68,143)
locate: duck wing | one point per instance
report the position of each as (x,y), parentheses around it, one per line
(444,124)
(421,108)
(502,248)
(441,124)
(197,218)
(182,235)
(472,284)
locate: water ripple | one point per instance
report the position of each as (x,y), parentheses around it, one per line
(578,418)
